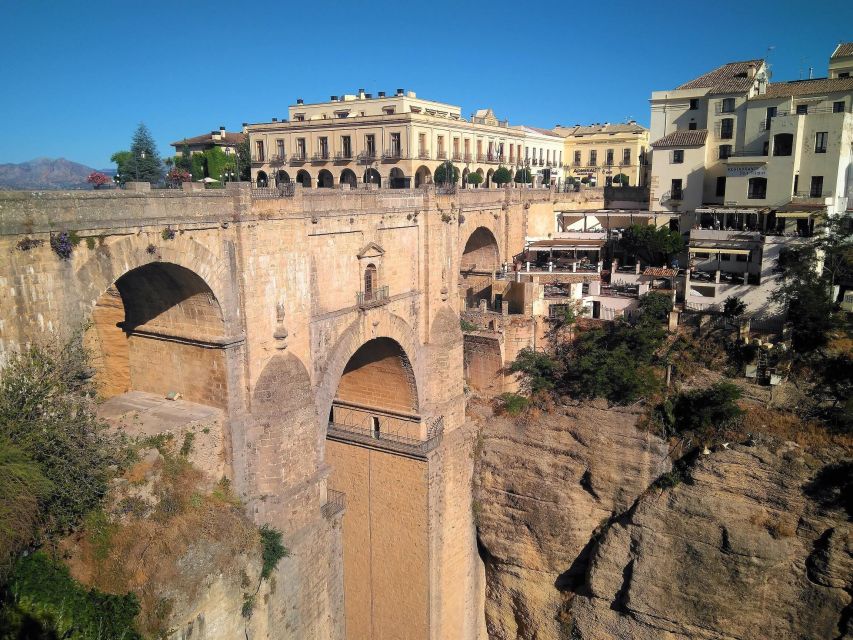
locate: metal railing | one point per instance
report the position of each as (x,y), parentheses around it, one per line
(423,154)
(283,190)
(257,158)
(457,155)
(366,157)
(343,156)
(278,158)
(441,155)
(372,298)
(392,154)
(336,501)
(340,430)
(320,156)
(299,156)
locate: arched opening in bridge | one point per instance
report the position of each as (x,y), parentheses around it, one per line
(371,176)
(159,329)
(261,180)
(325,180)
(479,262)
(398,179)
(422,176)
(304,178)
(348,177)
(374,448)
(281,177)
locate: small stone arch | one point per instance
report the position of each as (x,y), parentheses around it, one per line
(261,180)
(348,177)
(465,173)
(489,174)
(304,178)
(325,179)
(423,176)
(397,179)
(281,177)
(371,176)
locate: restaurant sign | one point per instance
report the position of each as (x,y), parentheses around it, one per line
(748,171)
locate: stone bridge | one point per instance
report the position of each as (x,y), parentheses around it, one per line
(325,326)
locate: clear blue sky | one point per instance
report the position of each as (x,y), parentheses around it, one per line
(77,77)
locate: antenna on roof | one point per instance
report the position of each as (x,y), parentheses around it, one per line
(767,64)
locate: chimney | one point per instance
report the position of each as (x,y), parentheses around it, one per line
(361,94)
(369,96)
(300,101)
(399,92)
(222,129)
(334,98)
(381,94)
(750,70)
(275,119)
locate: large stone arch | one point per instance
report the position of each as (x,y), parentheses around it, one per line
(378,323)
(481,251)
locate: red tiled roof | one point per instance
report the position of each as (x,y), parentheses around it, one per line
(722,77)
(818,86)
(230,139)
(660,272)
(683,138)
(843,49)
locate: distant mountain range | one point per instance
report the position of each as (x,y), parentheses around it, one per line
(46,173)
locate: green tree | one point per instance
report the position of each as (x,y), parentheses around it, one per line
(707,411)
(46,411)
(655,307)
(182,160)
(244,159)
(733,308)
(446,173)
(143,163)
(650,244)
(523,176)
(216,163)
(121,158)
(502,176)
(474,178)
(537,369)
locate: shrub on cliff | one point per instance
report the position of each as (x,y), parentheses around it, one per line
(704,412)
(538,370)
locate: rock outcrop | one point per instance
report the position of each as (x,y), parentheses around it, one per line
(542,490)
(579,541)
(746,549)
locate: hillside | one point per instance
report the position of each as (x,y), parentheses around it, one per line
(44,173)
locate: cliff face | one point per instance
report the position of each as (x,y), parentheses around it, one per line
(541,491)
(578,544)
(749,549)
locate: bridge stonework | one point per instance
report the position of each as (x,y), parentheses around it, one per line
(271,294)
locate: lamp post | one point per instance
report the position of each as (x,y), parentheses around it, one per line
(136,164)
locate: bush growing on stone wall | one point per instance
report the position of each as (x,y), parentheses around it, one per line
(25,244)
(63,243)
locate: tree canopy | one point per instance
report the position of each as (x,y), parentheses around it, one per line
(474,178)
(523,176)
(446,173)
(502,176)
(621,179)
(653,245)
(143,162)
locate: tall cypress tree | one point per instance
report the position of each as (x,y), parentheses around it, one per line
(144,162)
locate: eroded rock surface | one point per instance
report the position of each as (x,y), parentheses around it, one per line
(541,491)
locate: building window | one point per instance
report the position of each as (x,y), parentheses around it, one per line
(677,156)
(626,156)
(370,145)
(676,192)
(577,160)
(817,187)
(299,117)
(727,128)
(838,107)
(259,150)
(608,157)
(820,141)
(844,74)
(783,144)
(593,158)
(721,187)
(727,105)
(441,146)
(422,145)
(395,144)
(691,126)
(757,189)
(388,110)
(279,149)
(694,104)
(346,146)
(324,147)
(802,109)
(725,151)
(300,148)
(796,182)
(369,282)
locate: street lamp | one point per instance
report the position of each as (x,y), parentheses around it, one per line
(141,157)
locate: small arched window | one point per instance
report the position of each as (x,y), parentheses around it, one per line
(370,282)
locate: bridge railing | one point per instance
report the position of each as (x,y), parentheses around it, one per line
(341,429)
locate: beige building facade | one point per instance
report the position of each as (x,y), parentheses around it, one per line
(600,152)
(394,140)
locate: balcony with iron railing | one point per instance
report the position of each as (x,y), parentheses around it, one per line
(481,157)
(373,298)
(367,157)
(468,157)
(336,502)
(258,158)
(297,157)
(441,154)
(392,154)
(350,426)
(343,156)
(457,156)
(423,154)
(278,158)
(321,156)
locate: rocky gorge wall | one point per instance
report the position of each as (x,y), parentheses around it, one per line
(579,542)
